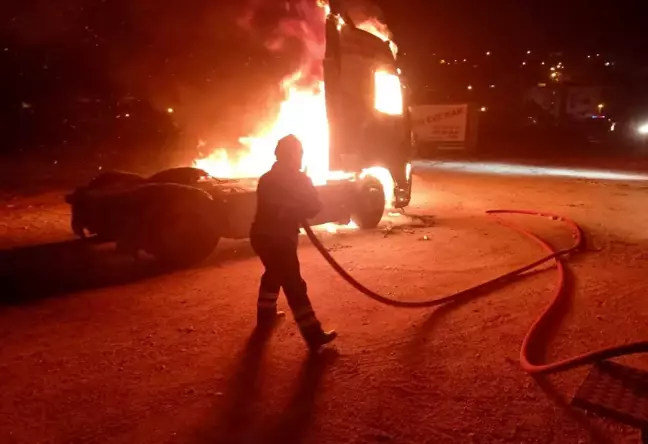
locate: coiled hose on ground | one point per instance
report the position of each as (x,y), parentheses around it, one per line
(532,337)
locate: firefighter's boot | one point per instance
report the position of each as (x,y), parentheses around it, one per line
(267,319)
(316,338)
(267,313)
(311,329)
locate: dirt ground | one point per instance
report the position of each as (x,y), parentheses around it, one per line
(97,349)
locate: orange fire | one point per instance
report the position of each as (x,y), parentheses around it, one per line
(381,31)
(302,113)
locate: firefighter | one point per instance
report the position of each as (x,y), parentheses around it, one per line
(285,197)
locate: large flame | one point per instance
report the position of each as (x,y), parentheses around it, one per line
(381,31)
(302,113)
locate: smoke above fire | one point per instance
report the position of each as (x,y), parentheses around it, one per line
(299,34)
(369,17)
(238,75)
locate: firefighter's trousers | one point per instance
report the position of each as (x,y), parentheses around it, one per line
(282,271)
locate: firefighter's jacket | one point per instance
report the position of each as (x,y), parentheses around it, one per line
(285,197)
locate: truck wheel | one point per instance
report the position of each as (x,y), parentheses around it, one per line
(369,203)
(185,239)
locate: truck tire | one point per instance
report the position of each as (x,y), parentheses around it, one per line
(369,203)
(185,241)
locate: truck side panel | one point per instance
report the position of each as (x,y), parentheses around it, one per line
(336,197)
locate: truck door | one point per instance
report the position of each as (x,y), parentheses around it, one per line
(366,105)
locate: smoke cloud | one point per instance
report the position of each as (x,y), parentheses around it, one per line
(222,67)
(219,65)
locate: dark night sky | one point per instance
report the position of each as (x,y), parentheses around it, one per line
(189,53)
(455,27)
(472,26)
(129,37)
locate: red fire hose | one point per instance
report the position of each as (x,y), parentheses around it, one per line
(543,320)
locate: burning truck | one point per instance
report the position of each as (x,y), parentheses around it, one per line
(354,125)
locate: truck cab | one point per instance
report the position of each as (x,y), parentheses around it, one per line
(367,104)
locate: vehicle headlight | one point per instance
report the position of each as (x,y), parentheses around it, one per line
(643,129)
(388,93)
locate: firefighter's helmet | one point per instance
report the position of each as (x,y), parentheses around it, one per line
(289,148)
